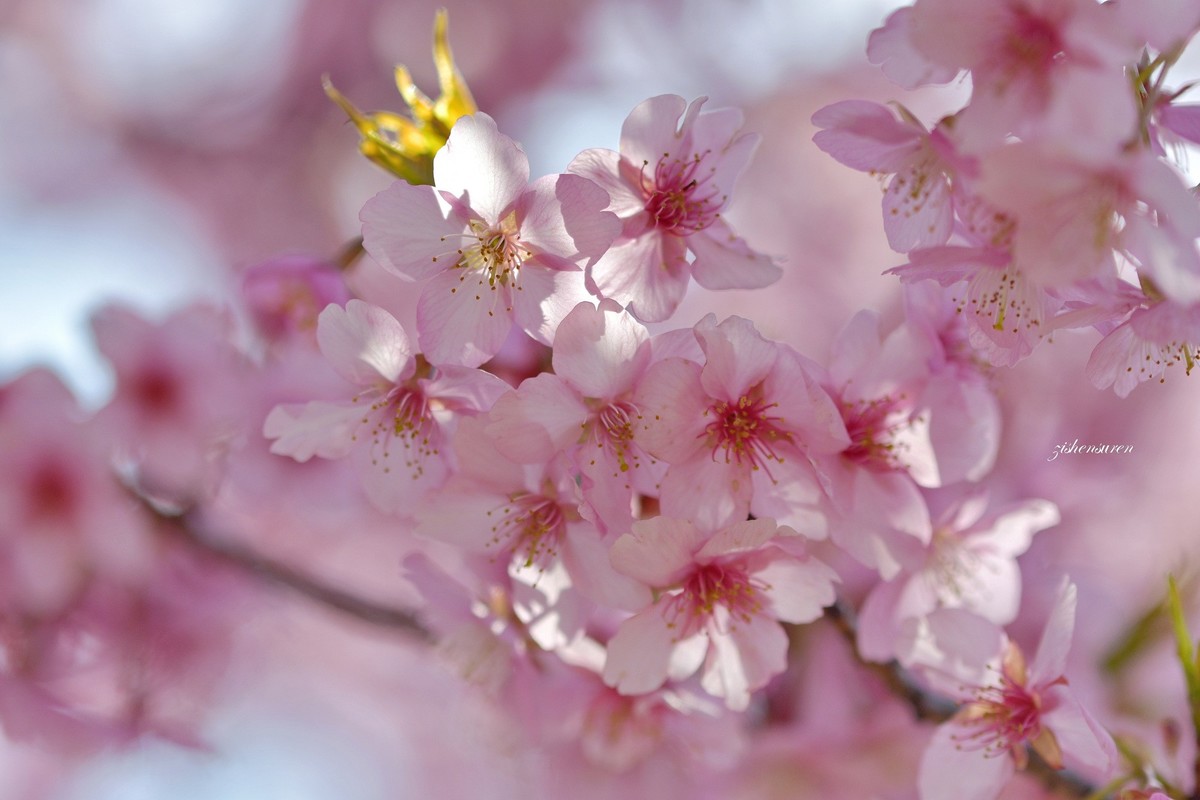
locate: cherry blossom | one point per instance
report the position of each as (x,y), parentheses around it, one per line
(397,424)
(63,515)
(669,185)
(970,564)
(721,597)
(1022,54)
(495,248)
(737,431)
(178,396)
(1011,706)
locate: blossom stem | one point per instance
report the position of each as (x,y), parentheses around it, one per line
(183,526)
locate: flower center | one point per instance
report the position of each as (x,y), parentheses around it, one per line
(745,431)
(494,254)
(872,426)
(1033,41)
(679,196)
(402,415)
(1002,718)
(532,525)
(612,428)
(709,587)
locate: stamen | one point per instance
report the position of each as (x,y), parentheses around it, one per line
(529,525)
(745,431)
(679,197)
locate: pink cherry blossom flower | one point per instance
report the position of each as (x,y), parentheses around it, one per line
(970,564)
(1022,55)
(179,396)
(737,432)
(64,518)
(585,409)
(878,385)
(917,200)
(495,248)
(397,424)
(720,597)
(1012,707)
(669,185)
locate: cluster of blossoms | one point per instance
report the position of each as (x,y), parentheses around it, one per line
(1054,198)
(641,524)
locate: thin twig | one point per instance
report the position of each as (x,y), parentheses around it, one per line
(183,526)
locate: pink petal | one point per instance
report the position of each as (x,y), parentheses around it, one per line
(956,650)
(805,407)
(479,459)
(892,49)
(651,129)
(885,517)
(714,129)
(543,417)
(951,771)
(792,495)
(1084,742)
(917,210)
(545,298)
(855,352)
(564,215)
(738,357)
(799,590)
(587,560)
(658,552)
(461,323)
(877,620)
(1183,120)
(463,517)
(725,261)
(395,477)
(740,537)
(318,429)
(364,343)
(464,388)
(743,659)
(866,136)
(481,166)
(600,351)
(1012,529)
(1050,662)
(411,231)
(603,167)
(964,428)
(708,490)
(639,654)
(673,406)
(647,274)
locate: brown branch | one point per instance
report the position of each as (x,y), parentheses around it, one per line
(183,527)
(931,707)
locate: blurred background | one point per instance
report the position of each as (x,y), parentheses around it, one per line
(151,150)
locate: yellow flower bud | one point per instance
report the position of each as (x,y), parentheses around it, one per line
(403,146)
